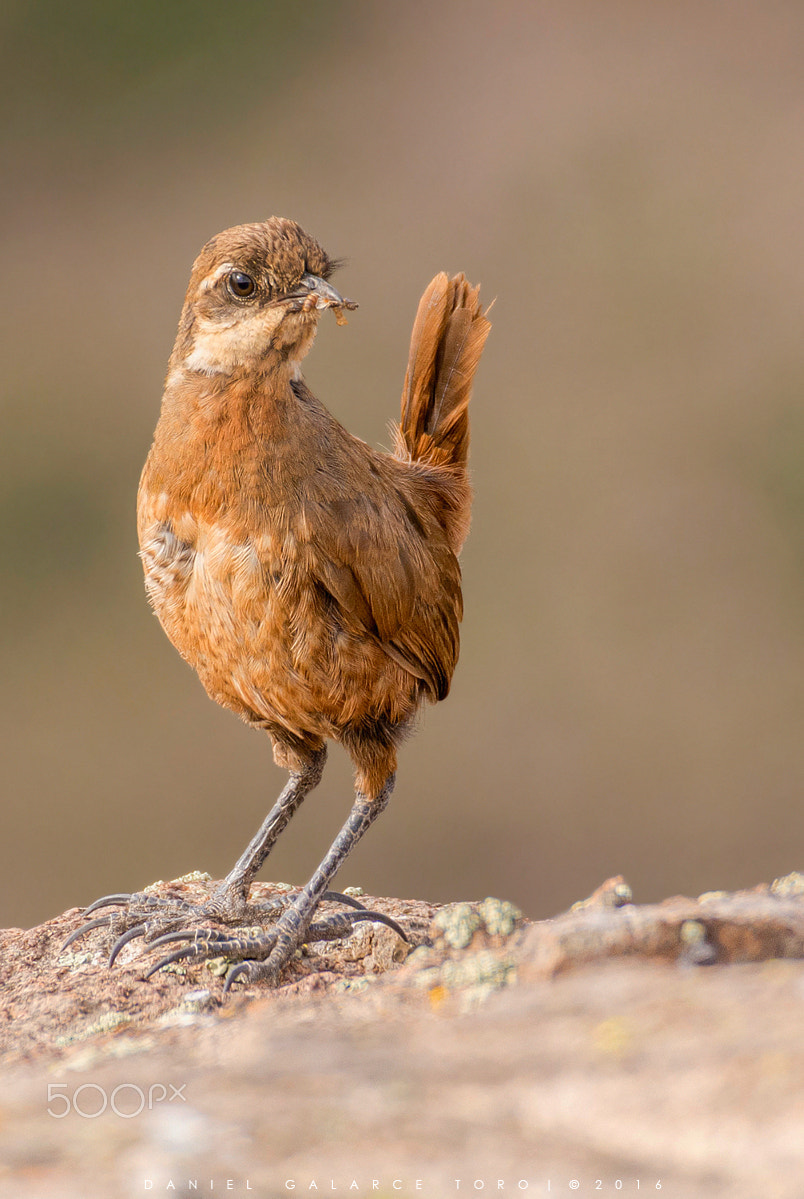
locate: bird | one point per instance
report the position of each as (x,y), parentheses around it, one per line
(311,581)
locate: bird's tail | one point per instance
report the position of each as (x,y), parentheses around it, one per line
(448,336)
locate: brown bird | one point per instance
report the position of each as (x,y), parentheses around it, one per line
(310,580)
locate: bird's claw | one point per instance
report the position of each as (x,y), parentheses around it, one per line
(258,952)
(143,910)
(253,946)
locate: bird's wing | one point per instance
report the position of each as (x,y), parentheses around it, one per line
(391,579)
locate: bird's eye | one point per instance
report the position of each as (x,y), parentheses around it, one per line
(241,285)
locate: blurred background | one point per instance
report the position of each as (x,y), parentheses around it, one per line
(628,181)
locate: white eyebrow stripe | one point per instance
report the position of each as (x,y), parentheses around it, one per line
(212,279)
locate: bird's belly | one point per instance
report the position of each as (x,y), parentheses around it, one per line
(263,636)
(217,600)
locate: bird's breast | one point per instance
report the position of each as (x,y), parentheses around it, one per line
(230,605)
(206,573)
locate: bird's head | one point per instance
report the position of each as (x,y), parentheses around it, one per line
(255,291)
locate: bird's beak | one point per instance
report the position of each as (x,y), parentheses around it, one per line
(319,293)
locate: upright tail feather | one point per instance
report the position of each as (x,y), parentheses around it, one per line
(448,336)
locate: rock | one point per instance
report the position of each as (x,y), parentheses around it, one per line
(589,1046)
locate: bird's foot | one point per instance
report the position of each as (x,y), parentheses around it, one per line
(260,954)
(259,938)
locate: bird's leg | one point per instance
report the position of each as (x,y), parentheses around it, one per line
(263,956)
(231,898)
(289,932)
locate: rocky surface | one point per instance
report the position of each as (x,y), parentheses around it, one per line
(660,1047)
